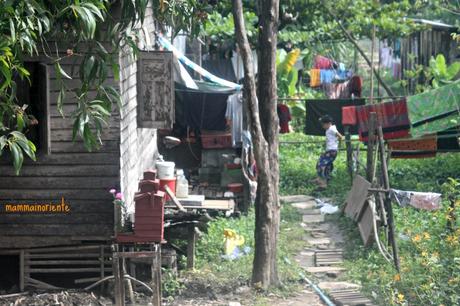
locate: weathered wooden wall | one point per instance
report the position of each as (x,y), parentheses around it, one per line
(83,178)
(138,145)
(419,47)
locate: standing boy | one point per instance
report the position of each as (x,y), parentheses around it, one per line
(325,163)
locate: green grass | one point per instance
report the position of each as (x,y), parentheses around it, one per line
(430,253)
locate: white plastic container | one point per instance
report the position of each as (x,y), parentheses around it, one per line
(165,169)
(181,185)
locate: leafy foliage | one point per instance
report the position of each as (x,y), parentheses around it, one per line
(429,247)
(94,38)
(234,273)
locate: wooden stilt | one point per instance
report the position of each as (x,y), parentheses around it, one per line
(387,201)
(349,152)
(129,284)
(118,286)
(21,271)
(156,275)
(370,147)
(191,247)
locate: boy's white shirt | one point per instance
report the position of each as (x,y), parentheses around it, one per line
(332,141)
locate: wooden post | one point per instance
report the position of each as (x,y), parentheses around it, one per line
(129,284)
(191,247)
(156,275)
(21,270)
(388,206)
(452,217)
(118,286)
(349,152)
(370,147)
(372,66)
(102,264)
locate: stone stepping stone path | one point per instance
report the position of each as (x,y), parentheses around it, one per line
(323,253)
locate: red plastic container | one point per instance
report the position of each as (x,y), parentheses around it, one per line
(149,186)
(171,183)
(150,174)
(216,140)
(148,219)
(233,166)
(235,187)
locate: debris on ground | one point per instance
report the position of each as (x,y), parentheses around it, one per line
(64,298)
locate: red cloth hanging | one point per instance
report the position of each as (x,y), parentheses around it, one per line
(414,148)
(284,116)
(349,115)
(392,116)
(356,86)
(322,62)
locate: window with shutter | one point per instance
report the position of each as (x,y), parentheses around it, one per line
(33,92)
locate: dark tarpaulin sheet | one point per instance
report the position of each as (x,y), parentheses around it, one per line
(222,68)
(317,108)
(202,109)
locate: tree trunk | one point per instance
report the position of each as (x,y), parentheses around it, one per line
(263,122)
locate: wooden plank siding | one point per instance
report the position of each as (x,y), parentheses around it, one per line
(69,171)
(138,147)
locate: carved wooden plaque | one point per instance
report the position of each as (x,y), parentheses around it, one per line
(155,90)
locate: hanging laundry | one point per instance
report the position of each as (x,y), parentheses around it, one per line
(392,116)
(337,90)
(315,78)
(234,114)
(284,116)
(349,115)
(326,76)
(420,200)
(386,57)
(435,110)
(318,108)
(322,62)
(356,86)
(414,148)
(449,140)
(397,73)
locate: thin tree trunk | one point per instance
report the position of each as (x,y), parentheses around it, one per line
(264,132)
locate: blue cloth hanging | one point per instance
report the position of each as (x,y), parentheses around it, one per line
(326,76)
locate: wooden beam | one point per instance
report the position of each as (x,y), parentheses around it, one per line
(156,276)
(191,240)
(174,199)
(387,200)
(370,147)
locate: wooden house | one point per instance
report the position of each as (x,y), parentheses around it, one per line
(65,172)
(418,48)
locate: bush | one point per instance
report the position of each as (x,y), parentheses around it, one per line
(429,249)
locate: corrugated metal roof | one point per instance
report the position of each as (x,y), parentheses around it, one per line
(436,24)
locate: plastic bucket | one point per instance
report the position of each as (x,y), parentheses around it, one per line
(165,169)
(171,183)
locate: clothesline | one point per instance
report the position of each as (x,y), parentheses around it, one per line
(375,98)
(357,140)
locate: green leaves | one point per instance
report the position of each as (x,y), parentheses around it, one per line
(440,73)
(26,27)
(17,143)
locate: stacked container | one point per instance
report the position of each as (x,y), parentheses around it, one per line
(149,212)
